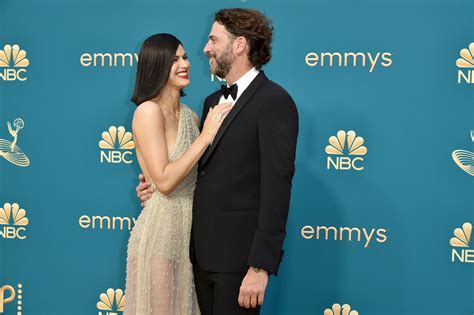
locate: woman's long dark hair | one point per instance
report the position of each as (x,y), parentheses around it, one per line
(154,66)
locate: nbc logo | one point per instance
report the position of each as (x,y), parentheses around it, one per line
(11,296)
(345,144)
(14,221)
(466,65)
(461,239)
(465,159)
(337,309)
(111,302)
(10,150)
(215,77)
(13,56)
(116,144)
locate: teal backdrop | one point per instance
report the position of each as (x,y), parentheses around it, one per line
(383,228)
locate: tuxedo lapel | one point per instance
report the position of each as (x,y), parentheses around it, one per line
(241,102)
(215,100)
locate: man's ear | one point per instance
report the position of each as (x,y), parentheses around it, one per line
(240,45)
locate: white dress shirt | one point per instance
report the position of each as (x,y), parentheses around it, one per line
(242,83)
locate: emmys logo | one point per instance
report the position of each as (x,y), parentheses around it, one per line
(461,239)
(111,302)
(337,309)
(349,59)
(353,147)
(9,150)
(108,59)
(4,299)
(344,233)
(106,222)
(465,159)
(466,65)
(14,221)
(116,144)
(12,57)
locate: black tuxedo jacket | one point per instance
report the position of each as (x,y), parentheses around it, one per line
(243,188)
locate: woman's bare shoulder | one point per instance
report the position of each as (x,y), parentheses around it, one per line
(147,113)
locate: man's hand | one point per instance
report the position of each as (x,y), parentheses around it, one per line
(144,190)
(253,288)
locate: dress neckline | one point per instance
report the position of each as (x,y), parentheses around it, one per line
(178,135)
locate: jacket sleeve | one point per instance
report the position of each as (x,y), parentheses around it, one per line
(277,135)
(205,110)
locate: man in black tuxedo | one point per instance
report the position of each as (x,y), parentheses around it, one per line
(244,180)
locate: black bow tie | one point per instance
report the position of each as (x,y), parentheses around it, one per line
(231,90)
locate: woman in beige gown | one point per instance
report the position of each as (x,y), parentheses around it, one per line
(168,146)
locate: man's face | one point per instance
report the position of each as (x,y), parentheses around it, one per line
(219,50)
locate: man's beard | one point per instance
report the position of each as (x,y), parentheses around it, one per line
(223,63)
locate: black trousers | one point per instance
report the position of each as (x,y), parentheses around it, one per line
(218,293)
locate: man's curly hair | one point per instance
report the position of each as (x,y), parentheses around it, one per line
(252,25)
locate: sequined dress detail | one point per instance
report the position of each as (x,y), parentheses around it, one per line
(159,274)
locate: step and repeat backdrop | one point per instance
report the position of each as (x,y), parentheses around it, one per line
(383,197)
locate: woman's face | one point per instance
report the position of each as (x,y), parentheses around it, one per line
(179,74)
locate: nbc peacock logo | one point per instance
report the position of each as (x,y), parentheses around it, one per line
(5,300)
(111,303)
(9,150)
(345,151)
(13,221)
(116,144)
(337,309)
(215,77)
(460,242)
(465,159)
(466,65)
(13,61)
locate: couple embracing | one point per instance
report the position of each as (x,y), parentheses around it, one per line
(215,192)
